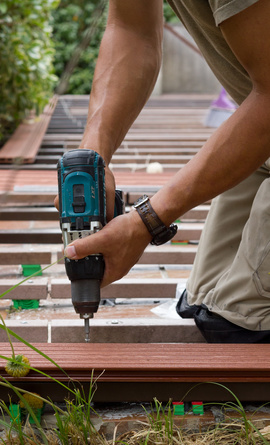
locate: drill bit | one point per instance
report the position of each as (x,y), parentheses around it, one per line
(87,330)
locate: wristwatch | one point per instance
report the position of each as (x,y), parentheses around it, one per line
(160,233)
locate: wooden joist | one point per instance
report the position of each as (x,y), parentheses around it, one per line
(59,288)
(29,214)
(47,236)
(187,149)
(32,289)
(169,254)
(136,137)
(42,254)
(28,198)
(124,288)
(186,232)
(12,255)
(147,158)
(37,213)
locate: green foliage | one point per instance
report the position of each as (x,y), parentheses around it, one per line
(71,20)
(26,52)
(169,14)
(26,71)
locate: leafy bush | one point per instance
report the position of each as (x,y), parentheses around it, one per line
(26,54)
(169,14)
(71,21)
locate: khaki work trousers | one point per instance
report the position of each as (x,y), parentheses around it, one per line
(231,270)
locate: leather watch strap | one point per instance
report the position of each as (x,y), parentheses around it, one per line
(160,233)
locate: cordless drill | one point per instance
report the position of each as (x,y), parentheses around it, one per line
(82,207)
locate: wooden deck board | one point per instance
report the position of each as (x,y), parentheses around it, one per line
(140,372)
(148,362)
(23,145)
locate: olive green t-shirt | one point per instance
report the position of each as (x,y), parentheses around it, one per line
(201,18)
(224,9)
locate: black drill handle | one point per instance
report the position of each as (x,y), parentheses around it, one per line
(92,267)
(85,274)
(119,205)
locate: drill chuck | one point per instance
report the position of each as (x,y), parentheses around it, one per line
(85,276)
(85,297)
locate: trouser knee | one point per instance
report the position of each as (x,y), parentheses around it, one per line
(216,329)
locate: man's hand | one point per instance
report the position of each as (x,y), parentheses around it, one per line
(110,193)
(121,242)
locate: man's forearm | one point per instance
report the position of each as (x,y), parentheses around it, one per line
(231,154)
(125,75)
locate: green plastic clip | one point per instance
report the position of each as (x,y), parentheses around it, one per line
(26,304)
(38,413)
(197,408)
(29,269)
(178,408)
(15,412)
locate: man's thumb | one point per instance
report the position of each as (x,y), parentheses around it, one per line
(82,247)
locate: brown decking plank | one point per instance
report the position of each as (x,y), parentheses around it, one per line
(26,140)
(148,362)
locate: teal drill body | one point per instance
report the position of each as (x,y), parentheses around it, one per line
(82,207)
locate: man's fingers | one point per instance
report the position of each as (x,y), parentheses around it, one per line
(56,202)
(121,242)
(110,193)
(86,246)
(70,252)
